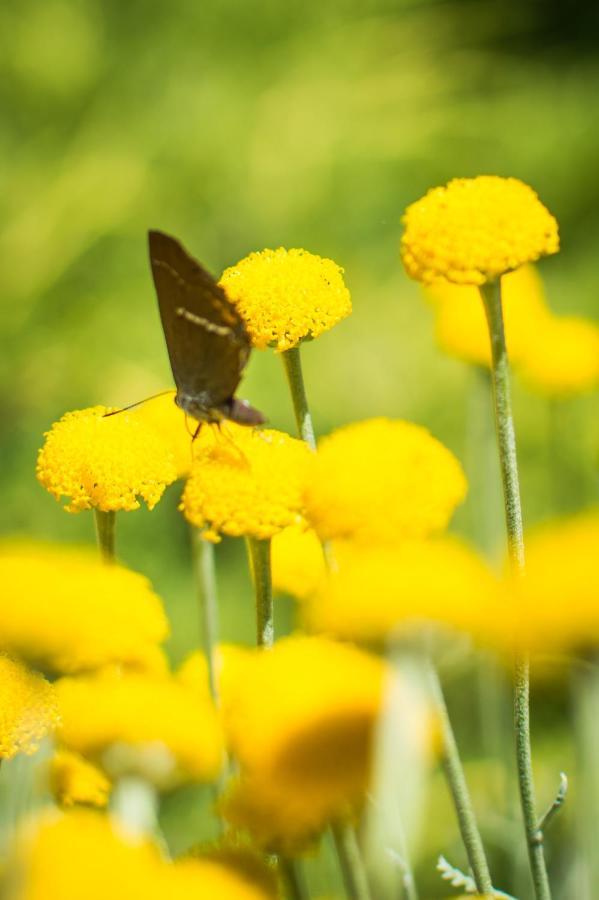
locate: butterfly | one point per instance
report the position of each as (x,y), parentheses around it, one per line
(206,337)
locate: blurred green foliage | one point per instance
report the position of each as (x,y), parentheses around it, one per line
(240,124)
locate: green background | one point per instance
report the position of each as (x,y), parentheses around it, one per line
(244,124)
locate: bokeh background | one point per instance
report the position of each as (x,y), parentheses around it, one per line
(243,124)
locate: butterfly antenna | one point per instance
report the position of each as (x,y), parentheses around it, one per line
(139,403)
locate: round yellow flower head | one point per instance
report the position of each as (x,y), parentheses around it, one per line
(75,781)
(379,590)
(555,605)
(150,725)
(232,858)
(382,480)
(476,229)
(563,359)
(28,709)
(301,717)
(250,485)
(164,417)
(460,325)
(298,562)
(287,296)
(103,462)
(66,611)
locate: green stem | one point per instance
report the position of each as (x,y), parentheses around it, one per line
(506,441)
(454,773)
(105,533)
(205,575)
(259,557)
(293,370)
(351,862)
(292,876)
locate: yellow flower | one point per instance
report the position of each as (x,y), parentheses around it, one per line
(297,560)
(460,325)
(248,866)
(74,780)
(563,359)
(286,296)
(66,611)
(28,709)
(105,462)
(377,590)
(81,854)
(147,724)
(555,605)
(301,717)
(165,418)
(382,480)
(251,487)
(476,229)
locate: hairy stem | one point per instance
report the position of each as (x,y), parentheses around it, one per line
(293,369)
(351,862)
(259,557)
(105,534)
(205,576)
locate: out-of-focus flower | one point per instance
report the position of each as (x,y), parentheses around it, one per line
(230,662)
(563,357)
(460,326)
(76,781)
(301,717)
(555,605)
(164,417)
(476,229)
(380,481)
(28,709)
(81,854)
(242,861)
(379,590)
(286,296)
(297,560)
(103,462)
(66,611)
(251,485)
(149,725)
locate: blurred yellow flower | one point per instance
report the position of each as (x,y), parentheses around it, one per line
(150,725)
(248,866)
(297,561)
(76,781)
(563,359)
(251,485)
(105,462)
(476,229)
(301,716)
(378,590)
(164,417)
(382,480)
(460,325)
(555,605)
(66,611)
(286,296)
(28,709)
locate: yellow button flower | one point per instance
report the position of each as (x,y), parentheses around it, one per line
(297,561)
(380,481)
(287,296)
(146,724)
(165,418)
(302,715)
(76,781)
(379,590)
(66,611)
(28,709)
(563,359)
(461,327)
(105,463)
(476,229)
(251,484)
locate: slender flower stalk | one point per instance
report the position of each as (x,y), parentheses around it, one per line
(259,558)
(351,862)
(456,780)
(105,533)
(293,879)
(506,440)
(205,575)
(293,370)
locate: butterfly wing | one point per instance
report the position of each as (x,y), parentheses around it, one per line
(206,338)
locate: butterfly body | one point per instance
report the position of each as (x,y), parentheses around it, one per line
(206,337)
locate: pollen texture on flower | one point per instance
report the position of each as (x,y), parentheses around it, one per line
(28,709)
(476,229)
(250,483)
(164,417)
(382,480)
(563,360)
(66,611)
(286,296)
(106,463)
(76,781)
